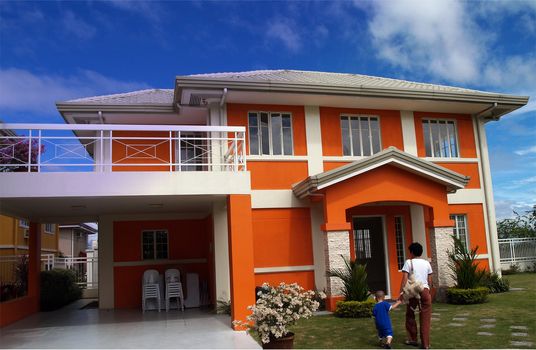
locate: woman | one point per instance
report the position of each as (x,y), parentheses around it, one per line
(423,272)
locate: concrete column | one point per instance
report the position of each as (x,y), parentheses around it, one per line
(34,264)
(336,249)
(106,263)
(441,243)
(314,140)
(408,132)
(241,255)
(221,250)
(418,229)
(318,236)
(218,147)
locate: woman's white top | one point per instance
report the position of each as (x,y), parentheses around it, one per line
(421,270)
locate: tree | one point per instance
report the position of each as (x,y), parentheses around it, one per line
(519,226)
(14,152)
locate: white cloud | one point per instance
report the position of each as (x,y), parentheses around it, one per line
(149,9)
(285,32)
(526,151)
(504,208)
(77,26)
(22,90)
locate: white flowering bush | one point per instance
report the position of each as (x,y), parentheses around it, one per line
(279,307)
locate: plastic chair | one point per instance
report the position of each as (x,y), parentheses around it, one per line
(174,288)
(150,288)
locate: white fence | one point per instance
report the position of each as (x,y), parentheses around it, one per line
(109,147)
(517,250)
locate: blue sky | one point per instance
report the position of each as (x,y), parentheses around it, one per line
(53,51)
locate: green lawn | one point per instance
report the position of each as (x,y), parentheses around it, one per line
(511,308)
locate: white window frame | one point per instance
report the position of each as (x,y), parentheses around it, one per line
(437,120)
(403,241)
(466,228)
(49,228)
(154,231)
(368,116)
(24,223)
(270,144)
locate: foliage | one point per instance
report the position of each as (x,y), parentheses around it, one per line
(14,151)
(21,275)
(519,226)
(277,308)
(464,267)
(354,278)
(514,268)
(223,307)
(58,288)
(321,298)
(354,309)
(531,268)
(462,296)
(494,283)
(8,291)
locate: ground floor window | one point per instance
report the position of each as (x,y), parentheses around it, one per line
(399,235)
(155,244)
(460,228)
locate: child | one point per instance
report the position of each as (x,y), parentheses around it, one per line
(382,319)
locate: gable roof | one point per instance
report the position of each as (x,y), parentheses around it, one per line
(147,96)
(452,180)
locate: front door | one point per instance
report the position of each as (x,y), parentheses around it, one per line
(369,249)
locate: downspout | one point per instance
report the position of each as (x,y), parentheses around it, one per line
(488,194)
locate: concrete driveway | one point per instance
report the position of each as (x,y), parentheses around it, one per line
(72,327)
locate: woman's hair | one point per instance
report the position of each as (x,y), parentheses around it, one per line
(415,249)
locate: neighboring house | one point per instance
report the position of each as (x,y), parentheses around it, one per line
(14,237)
(73,241)
(271,176)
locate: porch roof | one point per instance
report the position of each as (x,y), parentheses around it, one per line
(393,156)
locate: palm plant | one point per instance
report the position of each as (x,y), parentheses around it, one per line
(464,266)
(354,278)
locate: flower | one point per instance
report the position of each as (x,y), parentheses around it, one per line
(279,307)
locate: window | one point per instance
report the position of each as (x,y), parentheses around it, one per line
(270,133)
(360,135)
(24,223)
(460,228)
(440,138)
(155,244)
(50,228)
(399,234)
(362,244)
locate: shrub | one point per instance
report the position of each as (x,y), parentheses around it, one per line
(21,275)
(464,267)
(58,288)
(320,297)
(354,279)
(467,296)
(514,268)
(494,283)
(531,268)
(354,309)
(223,307)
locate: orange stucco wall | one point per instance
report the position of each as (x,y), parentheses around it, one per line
(330,123)
(276,175)
(187,239)
(388,213)
(141,151)
(475,223)
(305,279)
(467,169)
(17,309)
(466,136)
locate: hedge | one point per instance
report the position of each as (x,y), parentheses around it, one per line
(58,288)
(495,284)
(354,309)
(467,296)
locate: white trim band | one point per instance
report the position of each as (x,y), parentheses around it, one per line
(159,262)
(284,269)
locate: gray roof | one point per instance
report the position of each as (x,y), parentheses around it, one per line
(327,79)
(140,97)
(451,179)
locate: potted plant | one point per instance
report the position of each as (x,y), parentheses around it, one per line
(277,308)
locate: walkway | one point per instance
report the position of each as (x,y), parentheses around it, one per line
(71,327)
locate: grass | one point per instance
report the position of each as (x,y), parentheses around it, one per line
(511,308)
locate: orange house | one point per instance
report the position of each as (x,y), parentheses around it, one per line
(269,176)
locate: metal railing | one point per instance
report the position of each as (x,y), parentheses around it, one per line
(516,250)
(110,147)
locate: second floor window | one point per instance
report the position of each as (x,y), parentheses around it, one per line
(360,135)
(270,133)
(460,228)
(440,138)
(50,228)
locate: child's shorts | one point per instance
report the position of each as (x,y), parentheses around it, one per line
(384,333)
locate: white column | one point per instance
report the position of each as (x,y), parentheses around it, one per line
(337,247)
(317,218)
(408,132)
(221,250)
(441,243)
(217,146)
(314,140)
(106,262)
(418,229)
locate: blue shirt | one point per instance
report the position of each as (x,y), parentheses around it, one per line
(381,315)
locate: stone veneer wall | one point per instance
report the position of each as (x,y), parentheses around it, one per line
(441,243)
(336,246)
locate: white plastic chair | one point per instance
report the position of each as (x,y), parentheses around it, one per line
(150,288)
(174,288)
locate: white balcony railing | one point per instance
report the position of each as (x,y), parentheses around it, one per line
(108,147)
